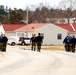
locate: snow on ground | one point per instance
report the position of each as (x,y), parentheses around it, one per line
(17,61)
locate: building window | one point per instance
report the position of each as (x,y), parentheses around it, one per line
(42,34)
(20,34)
(59,36)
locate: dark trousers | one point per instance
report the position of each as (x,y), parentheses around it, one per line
(4,46)
(67,47)
(33,47)
(73,48)
(0,45)
(39,46)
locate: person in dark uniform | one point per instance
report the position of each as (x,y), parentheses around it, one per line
(66,43)
(4,43)
(33,42)
(39,41)
(73,43)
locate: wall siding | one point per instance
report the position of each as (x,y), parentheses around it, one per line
(50,34)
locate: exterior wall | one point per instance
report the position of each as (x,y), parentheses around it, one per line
(72,33)
(75,33)
(18,34)
(8,34)
(50,34)
(29,34)
(23,34)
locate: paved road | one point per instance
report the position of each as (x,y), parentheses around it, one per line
(17,61)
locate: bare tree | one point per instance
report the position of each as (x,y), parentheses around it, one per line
(69,6)
(64,4)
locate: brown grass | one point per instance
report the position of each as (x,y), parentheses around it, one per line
(53,47)
(45,47)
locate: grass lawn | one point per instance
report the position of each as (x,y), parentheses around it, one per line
(45,47)
(53,47)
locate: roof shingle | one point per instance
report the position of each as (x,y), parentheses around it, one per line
(31,26)
(66,26)
(22,27)
(12,27)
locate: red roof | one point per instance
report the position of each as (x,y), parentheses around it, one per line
(31,26)
(22,27)
(74,25)
(67,27)
(12,27)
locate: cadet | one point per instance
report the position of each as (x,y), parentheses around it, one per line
(33,42)
(4,43)
(66,42)
(73,43)
(39,40)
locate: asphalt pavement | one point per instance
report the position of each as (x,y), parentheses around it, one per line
(19,61)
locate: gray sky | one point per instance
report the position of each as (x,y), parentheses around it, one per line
(23,3)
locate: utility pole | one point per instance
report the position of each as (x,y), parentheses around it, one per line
(27,23)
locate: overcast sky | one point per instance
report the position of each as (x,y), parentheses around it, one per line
(23,3)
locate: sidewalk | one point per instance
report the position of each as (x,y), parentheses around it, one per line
(1,54)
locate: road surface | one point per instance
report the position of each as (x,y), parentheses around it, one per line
(17,61)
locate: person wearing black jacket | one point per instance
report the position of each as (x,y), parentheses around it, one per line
(39,41)
(73,43)
(66,42)
(4,43)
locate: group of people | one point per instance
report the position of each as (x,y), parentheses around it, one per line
(3,42)
(69,43)
(36,41)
